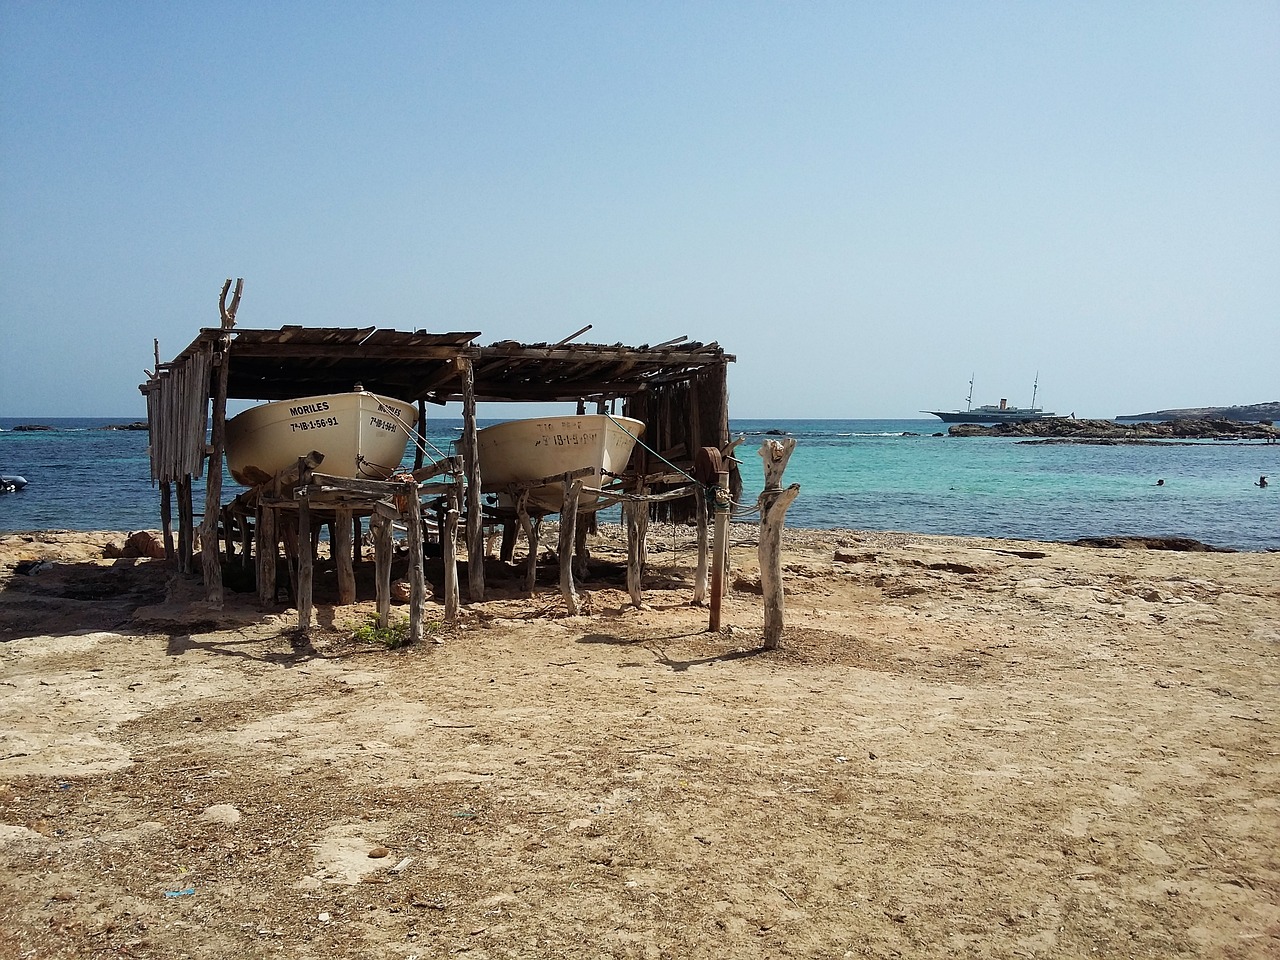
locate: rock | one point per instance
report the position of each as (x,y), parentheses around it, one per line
(850,556)
(144,543)
(223,813)
(1071,430)
(401,591)
(1150,543)
(377,853)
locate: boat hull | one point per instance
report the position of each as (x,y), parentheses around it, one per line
(520,451)
(361,434)
(1014,415)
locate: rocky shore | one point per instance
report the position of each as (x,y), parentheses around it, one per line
(1071,430)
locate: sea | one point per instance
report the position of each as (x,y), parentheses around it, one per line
(881,475)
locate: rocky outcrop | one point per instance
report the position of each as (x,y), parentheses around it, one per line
(1250,411)
(136,425)
(1070,430)
(1184,544)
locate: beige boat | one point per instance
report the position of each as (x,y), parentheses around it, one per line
(520,451)
(361,434)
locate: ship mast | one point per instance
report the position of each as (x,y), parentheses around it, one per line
(1035,387)
(968,405)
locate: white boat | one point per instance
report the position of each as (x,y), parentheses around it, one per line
(520,451)
(361,434)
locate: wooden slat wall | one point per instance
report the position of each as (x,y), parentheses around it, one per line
(178,414)
(690,414)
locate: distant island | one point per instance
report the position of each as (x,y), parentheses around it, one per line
(1252,412)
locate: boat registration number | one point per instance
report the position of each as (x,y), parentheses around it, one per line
(381,424)
(318,424)
(566,439)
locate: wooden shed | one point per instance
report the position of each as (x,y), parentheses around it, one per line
(678,388)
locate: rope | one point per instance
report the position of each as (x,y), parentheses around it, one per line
(435,452)
(650,449)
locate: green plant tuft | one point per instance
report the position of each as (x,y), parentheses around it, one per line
(393,636)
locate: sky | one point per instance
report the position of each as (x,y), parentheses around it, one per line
(867,203)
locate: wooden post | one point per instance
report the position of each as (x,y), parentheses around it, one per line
(568,537)
(634,577)
(186,524)
(700,576)
(421,430)
(380,527)
(773,503)
(530,527)
(166,519)
(305,565)
(246,537)
(636,513)
(507,549)
(719,549)
(266,553)
(471,459)
(581,554)
(342,556)
(417,579)
(228,532)
(213,475)
(449,550)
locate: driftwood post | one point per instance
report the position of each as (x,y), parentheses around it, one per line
(186,524)
(471,464)
(581,553)
(265,553)
(700,576)
(417,580)
(166,518)
(449,549)
(568,538)
(380,527)
(637,516)
(421,430)
(719,549)
(773,503)
(342,561)
(305,564)
(530,527)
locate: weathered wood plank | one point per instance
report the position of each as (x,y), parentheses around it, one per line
(342,559)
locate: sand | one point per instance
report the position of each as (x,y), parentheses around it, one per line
(963,748)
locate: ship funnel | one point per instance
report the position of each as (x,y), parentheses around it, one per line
(1004,403)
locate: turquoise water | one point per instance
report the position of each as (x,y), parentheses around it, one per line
(862,474)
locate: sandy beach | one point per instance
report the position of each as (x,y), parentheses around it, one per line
(964,747)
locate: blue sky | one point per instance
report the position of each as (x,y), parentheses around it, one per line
(865,202)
